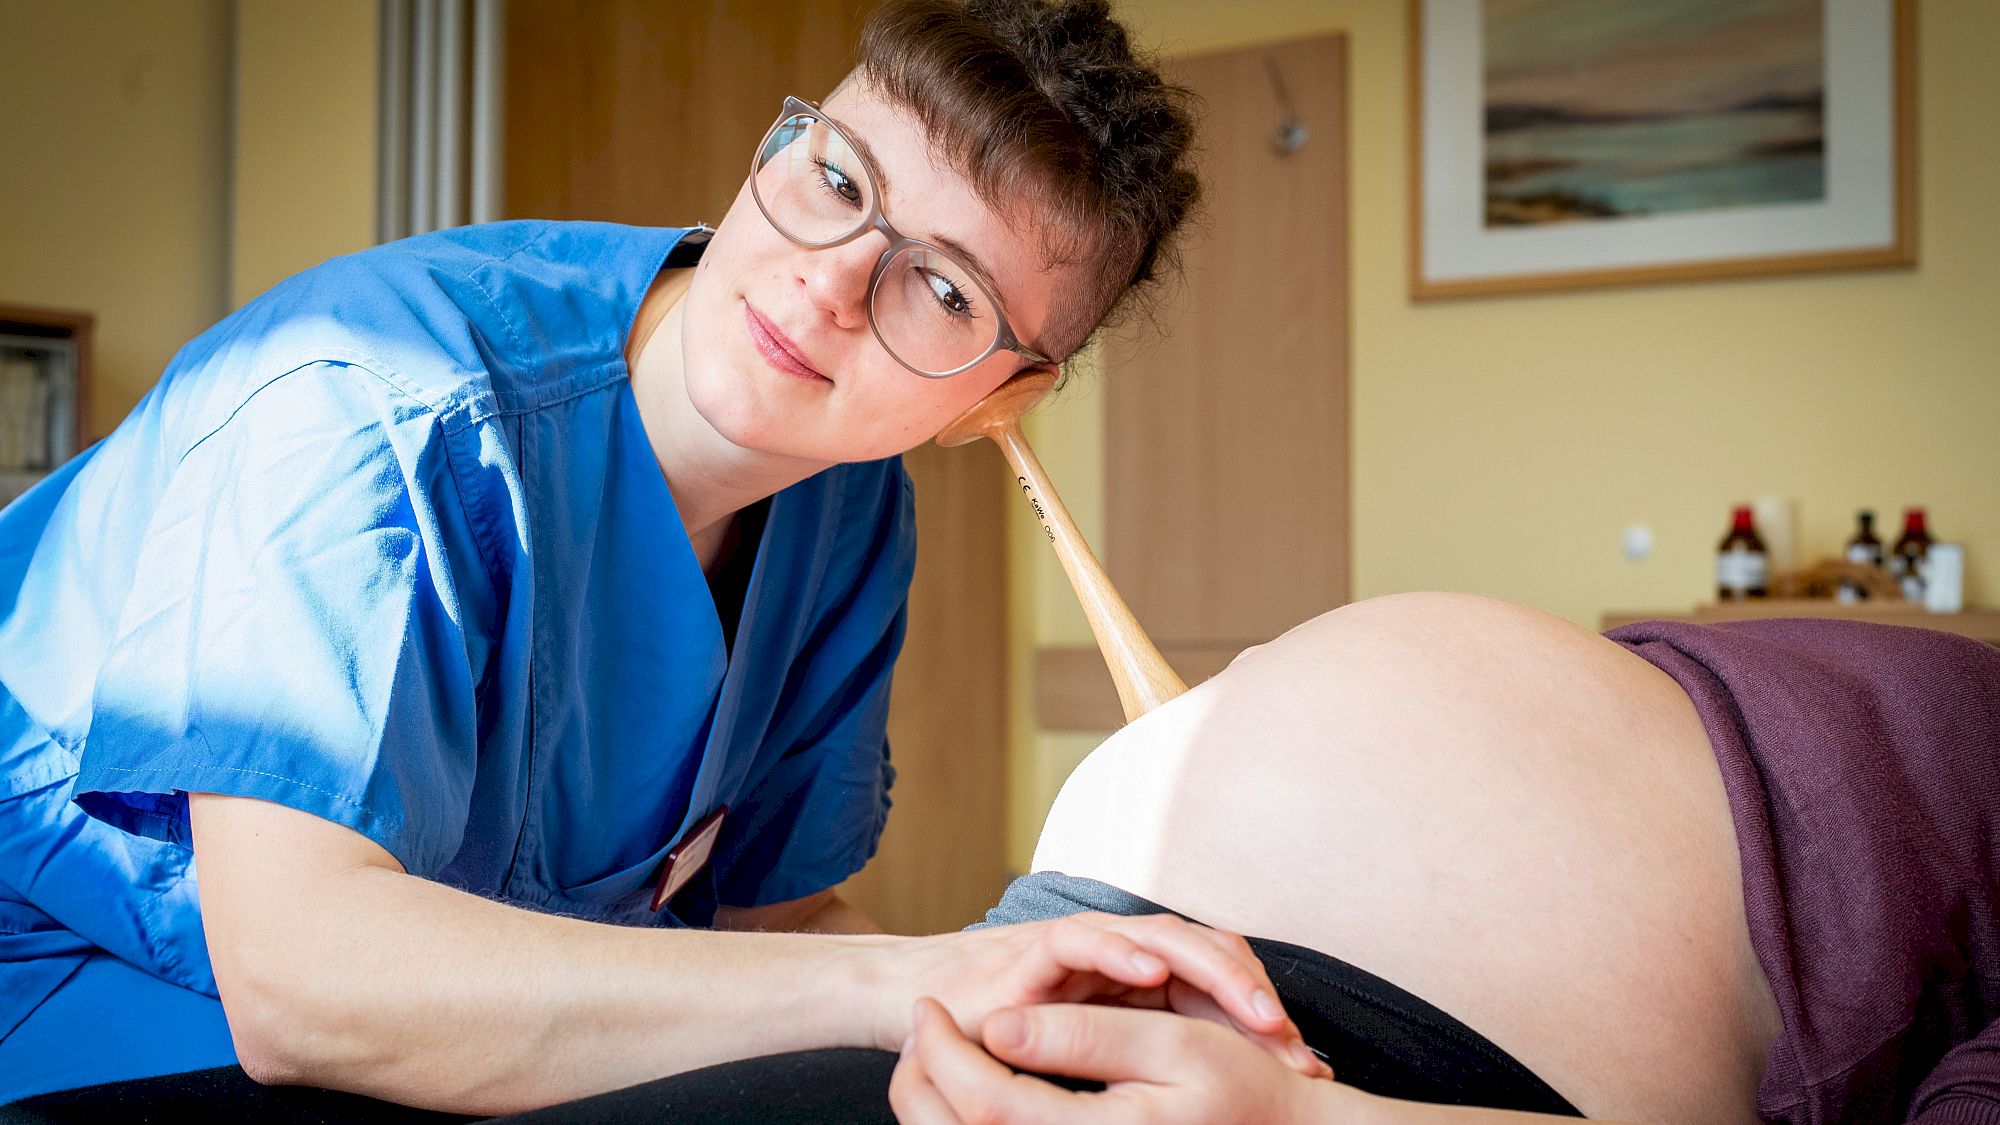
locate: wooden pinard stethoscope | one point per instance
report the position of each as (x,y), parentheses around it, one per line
(1142,675)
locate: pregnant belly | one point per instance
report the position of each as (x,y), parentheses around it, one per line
(1510,817)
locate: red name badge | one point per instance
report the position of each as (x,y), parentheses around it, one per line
(686,859)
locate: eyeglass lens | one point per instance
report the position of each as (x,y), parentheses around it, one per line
(817,191)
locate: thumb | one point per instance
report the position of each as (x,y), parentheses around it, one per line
(1109,1044)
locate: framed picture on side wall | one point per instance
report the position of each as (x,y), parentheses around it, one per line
(1560,144)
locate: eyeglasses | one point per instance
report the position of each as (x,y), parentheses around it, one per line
(927,306)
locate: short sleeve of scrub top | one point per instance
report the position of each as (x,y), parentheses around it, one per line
(292,630)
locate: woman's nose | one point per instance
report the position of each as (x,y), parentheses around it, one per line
(836,278)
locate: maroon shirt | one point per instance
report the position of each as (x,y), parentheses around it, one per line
(1862,764)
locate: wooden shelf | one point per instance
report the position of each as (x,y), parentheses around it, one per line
(1073,689)
(1979,624)
(1074,692)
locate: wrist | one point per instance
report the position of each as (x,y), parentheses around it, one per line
(868,990)
(807,991)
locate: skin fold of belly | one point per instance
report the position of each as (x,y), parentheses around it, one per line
(1510,817)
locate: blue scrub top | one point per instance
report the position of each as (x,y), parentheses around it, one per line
(389,545)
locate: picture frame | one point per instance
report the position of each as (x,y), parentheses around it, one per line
(1538,163)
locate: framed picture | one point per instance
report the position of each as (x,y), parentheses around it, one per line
(1558,144)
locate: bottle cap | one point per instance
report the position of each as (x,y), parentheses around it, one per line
(1913,519)
(1740,518)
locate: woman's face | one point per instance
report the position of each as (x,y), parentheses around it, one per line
(758,295)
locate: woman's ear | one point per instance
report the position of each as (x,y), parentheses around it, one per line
(1052,368)
(1002,406)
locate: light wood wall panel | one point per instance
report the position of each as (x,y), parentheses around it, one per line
(1227,442)
(646,111)
(943,858)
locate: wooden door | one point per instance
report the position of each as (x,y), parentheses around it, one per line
(646,111)
(1226,436)
(1226,432)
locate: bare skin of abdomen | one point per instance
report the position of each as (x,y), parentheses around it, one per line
(1502,813)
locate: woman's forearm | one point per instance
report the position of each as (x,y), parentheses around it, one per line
(412,991)
(338,969)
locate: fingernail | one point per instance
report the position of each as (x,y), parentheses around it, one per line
(908,1042)
(1146,963)
(1303,1055)
(1007,1028)
(1266,1005)
(917,1015)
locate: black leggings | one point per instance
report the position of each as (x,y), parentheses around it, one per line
(1376,1036)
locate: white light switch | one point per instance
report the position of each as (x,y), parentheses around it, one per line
(1638,542)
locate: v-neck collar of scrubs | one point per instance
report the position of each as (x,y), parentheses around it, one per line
(682,570)
(649,717)
(780,539)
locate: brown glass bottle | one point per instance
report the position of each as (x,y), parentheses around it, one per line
(1742,565)
(1906,558)
(1862,550)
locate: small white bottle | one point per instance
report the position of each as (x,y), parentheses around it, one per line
(1944,578)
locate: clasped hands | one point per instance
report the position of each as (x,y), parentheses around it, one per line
(1179,1021)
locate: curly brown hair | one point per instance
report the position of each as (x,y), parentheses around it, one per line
(1048,103)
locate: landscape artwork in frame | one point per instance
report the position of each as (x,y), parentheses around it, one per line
(1566,143)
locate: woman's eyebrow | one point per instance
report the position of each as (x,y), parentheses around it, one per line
(979,272)
(868,154)
(957,249)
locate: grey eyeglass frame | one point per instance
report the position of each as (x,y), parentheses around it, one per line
(875,220)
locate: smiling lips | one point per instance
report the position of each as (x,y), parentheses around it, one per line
(778,351)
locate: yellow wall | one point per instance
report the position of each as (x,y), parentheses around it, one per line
(135,193)
(114,200)
(1501,445)
(304,187)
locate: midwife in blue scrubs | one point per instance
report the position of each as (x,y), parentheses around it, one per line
(430,600)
